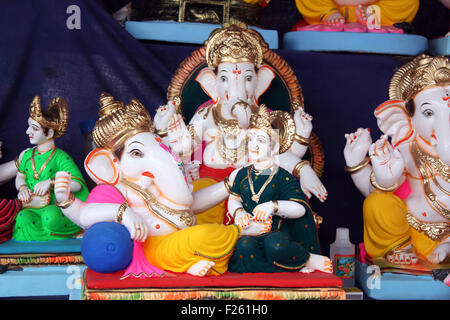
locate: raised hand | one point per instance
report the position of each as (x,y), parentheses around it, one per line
(163,115)
(356,147)
(180,139)
(62,186)
(387,162)
(303,123)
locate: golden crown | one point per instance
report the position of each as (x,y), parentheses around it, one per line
(422,72)
(59,111)
(279,120)
(235,43)
(117,122)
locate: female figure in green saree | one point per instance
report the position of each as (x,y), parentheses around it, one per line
(263,192)
(41,219)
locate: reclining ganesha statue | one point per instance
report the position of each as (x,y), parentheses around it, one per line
(235,78)
(406,181)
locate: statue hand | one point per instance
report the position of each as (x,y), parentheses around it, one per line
(25,195)
(42,187)
(387,163)
(303,123)
(192,170)
(440,253)
(180,139)
(135,225)
(310,183)
(357,146)
(163,115)
(242,219)
(263,212)
(62,186)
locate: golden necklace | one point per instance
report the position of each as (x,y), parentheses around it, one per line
(427,165)
(256,196)
(33,164)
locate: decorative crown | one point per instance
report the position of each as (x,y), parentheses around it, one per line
(422,72)
(262,120)
(117,122)
(235,43)
(58,108)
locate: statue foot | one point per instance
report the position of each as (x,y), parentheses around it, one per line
(440,253)
(306,270)
(201,268)
(256,228)
(321,263)
(404,256)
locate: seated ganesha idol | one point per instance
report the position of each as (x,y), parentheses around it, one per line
(406,212)
(40,218)
(264,193)
(234,80)
(356,15)
(141,184)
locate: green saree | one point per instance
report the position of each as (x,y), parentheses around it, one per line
(288,245)
(48,222)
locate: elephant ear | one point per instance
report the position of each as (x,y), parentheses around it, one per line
(102,167)
(265,77)
(208,80)
(394,121)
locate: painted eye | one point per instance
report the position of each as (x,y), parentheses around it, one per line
(428,113)
(223,79)
(135,153)
(249,78)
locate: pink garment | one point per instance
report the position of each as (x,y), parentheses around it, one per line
(404,190)
(139,266)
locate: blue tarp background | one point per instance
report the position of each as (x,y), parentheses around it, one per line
(39,55)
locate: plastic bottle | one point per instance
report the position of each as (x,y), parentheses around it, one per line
(342,253)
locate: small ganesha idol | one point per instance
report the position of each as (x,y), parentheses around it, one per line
(406,181)
(264,193)
(356,15)
(141,188)
(41,218)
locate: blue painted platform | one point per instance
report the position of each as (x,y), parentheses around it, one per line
(185,32)
(400,286)
(54,246)
(43,282)
(389,43)
(440,47)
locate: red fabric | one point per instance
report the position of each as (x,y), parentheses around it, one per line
(299,24)
(216,174)
(8,212)
(316,279)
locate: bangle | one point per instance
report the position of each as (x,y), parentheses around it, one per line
(302,140)
(162,133)
(67,203)
(227,184)
(16,162)
(237,210)
(52,182)
(358,167)
(22,187)
(121,211)
(275,206)
(298,167)
(377,186)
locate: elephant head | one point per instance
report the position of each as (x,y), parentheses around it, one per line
(237,87)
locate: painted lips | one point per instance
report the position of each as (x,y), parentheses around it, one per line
(148,174)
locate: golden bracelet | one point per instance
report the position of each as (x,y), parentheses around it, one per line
(52,182)
(121,211)
(21,187)
(16,162)
(275,206)
(298,167)
(162,133)
(67,203)
(302,140)
(226,182)
(377,186)
(358,167)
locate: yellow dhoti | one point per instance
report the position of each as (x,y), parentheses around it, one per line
(179,251)
(215,214)
(386,226)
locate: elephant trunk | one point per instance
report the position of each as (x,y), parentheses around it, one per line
(242,112)
(442,139)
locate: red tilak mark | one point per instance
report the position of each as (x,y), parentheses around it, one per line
(424,214)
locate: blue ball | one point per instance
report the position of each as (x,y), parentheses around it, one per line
(107,247)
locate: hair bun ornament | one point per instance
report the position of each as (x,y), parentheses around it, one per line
(422,72)
(57,115)
(117,122)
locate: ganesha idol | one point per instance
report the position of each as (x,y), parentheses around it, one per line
(356,15)
(235,78)
(141,185)
(406,181)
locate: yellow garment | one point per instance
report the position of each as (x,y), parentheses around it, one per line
(391,11)
(215,214)
(179,251)
(386,226)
